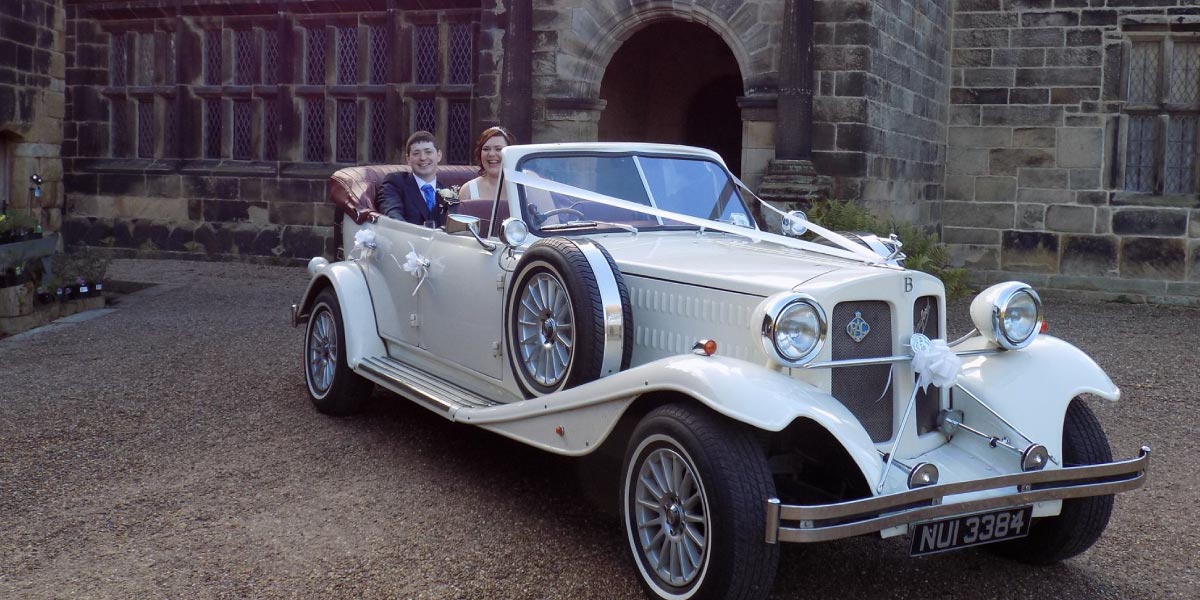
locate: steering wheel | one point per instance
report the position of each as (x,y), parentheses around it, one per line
(559,211)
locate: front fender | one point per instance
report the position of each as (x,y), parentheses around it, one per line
(358,312)
(1032,388)
(740,390)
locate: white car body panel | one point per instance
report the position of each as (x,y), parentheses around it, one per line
(358,312)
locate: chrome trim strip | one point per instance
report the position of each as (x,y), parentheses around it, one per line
(870,515)
(610,298)
(884,360)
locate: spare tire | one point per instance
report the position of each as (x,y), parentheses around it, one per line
(567,316)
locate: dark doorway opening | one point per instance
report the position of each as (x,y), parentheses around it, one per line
(675,83)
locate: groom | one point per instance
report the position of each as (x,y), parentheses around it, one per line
(413,196)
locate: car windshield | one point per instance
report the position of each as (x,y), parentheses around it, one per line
(689,186)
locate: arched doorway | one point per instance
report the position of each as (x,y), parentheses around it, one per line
(674,82)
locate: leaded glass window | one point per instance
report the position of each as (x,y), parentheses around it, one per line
(379,55)
(314,130)
(425,115)
(461,53)
(120,127)
(1162,115)
(212,128)
(1139,159)
(245,57)
(271,57)
(347,55)
(425,54)
(146,128)
(458,132)
(145,61)
(243,130)
(171,128)
(315,56)
(271,130)
(212,57)
(347,132)
(118,59)
(377,109)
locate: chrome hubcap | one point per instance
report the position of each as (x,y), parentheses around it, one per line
(671,519)
(546,328)
(322,351)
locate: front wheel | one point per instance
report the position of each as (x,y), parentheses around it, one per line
(333,387)
(693,503)
(1082,520)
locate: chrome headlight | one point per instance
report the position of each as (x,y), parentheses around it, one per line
(793,328)
(1009,314)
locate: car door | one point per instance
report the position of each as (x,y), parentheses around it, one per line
(462,302)
(396,307)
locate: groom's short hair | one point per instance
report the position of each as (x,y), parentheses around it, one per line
(417,138)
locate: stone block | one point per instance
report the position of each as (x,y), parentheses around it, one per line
(1080,147)
(1073,95)
(1022,116)
(991,20)
(291,213)
(225,188)
(968,161)
(1032,251)
(982,38)
(16,300)
(1150,221)
(960,95)
(971,236)
(758,134)
(964,115)
(1031,216)
(1041,196)
(1084,37)
(226,210)
(977,5)
(1071,218)
(1008,161)
(1018,57)
(1074,57)
(1089,255)
(980,137)
(1038,37)
(994,215)
(975,257)
(1098,17)
(1153,258)
(1034,137)
(988,77)
(1043,178)
(995,189)
(1085,179)
(971,57)
(1060,18)
(1095,198)
(1059,76)
(122,184)
(302,242)
(1029,96)
(962,187)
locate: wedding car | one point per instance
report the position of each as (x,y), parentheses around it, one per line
(760,388)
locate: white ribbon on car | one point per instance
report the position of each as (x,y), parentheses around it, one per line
(936,363)
(847,249)
(364,244)
(415,265)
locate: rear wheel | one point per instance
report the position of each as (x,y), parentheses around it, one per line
(1082,520)
(333,387)
(693,502)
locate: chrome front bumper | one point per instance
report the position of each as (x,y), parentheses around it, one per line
(847,519)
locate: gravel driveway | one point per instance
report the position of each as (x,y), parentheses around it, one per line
(168,450)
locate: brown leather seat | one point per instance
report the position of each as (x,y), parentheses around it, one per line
(355,189)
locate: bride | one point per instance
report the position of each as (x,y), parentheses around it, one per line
(487,156)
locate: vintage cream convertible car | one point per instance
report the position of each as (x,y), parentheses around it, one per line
(761,388)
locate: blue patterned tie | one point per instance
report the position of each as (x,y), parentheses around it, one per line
(427,190)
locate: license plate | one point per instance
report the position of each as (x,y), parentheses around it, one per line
(953,533)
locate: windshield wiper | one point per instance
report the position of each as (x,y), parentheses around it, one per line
(588,225)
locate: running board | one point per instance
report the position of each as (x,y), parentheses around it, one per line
(432,392)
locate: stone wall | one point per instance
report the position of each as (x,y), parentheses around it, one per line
(32,104)
(1034,185)
(880,107)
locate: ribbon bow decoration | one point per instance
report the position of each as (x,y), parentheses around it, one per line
(416,265)
(364,244)
(936,363)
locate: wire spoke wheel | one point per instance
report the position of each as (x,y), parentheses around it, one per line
(546,329)
(671,517)
(322,351)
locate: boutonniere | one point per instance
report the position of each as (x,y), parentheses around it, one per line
(449,194)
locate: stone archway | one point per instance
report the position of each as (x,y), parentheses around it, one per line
(675,82)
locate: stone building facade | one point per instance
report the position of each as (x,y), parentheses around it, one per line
(32,106)
(1049,140)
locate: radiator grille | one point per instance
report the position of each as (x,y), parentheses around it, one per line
(865,390)
(926,319)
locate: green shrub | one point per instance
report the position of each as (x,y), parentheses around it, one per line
(923,250)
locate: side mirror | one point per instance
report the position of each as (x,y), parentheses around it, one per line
(456,223)
(795,223)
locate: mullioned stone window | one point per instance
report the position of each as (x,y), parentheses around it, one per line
(1161,115)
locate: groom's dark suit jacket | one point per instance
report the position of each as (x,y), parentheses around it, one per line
(400,198)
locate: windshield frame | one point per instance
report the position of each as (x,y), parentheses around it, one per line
(523,206)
